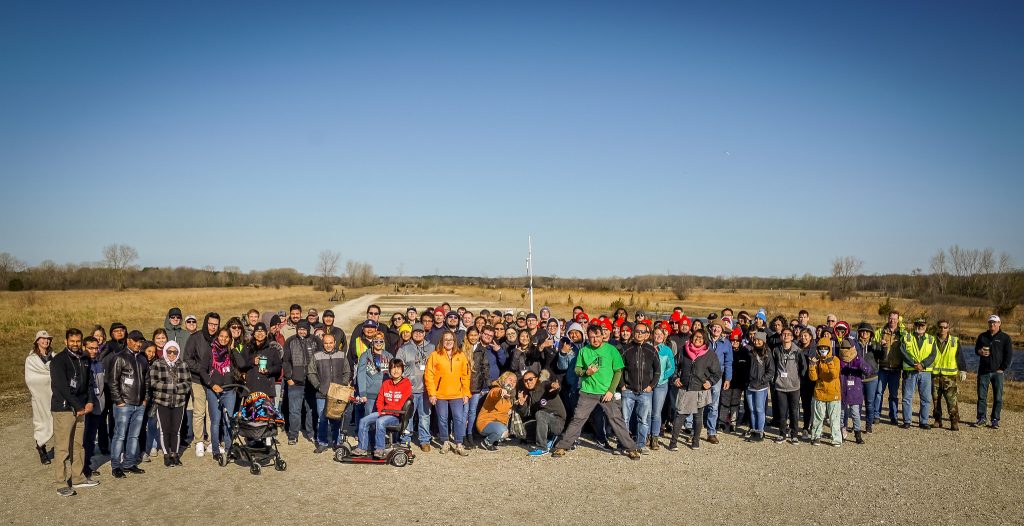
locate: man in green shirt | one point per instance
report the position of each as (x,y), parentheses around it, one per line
(599,366)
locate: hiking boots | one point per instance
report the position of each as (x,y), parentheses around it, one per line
(857,437)
(559,452)
(44,456)
(634,454)
(954,424)
(425,447)
(712,439)
(695,441)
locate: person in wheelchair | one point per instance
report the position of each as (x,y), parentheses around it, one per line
(393,393)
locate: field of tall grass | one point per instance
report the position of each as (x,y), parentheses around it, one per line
(24,313)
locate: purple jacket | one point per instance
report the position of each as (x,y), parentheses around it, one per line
(851,376)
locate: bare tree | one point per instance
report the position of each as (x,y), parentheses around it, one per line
(327,268)
(360,274)
(119,258)
(940,275)
(9,265)
(844,272)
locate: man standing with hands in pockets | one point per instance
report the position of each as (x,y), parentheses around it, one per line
(71,383)
(995,352)
(599,367)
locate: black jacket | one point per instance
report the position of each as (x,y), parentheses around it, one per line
(70,382)
(740,368)
(129,378)
(254,379)
(480,374)
(325,369)
(298,352)
(1001,352)
(197,350)
(762,371)
(542,399)
(693,373)
(643,367)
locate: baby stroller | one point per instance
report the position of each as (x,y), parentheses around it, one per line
(254,432)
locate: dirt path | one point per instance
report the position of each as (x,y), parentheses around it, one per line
(899,476)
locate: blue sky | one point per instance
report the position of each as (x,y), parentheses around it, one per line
(760,138)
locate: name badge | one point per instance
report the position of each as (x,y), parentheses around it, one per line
(97,390)
(227,369)
(73,383)
(850,383)
(129,381)
(783,375)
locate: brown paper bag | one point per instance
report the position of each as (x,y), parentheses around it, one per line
(337,400)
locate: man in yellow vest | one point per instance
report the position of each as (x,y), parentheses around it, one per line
(949,364)
(918,355)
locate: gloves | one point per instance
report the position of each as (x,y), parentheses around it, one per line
(963,376)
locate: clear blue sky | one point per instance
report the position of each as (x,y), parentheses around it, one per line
(758,138)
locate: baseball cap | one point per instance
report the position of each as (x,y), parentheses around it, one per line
(994,318)
(371,323)
(175,311)
(137,336)
(312,312)
(43,334)
(191,317)
(418,327)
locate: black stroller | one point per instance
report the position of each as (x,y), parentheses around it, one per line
(254,432)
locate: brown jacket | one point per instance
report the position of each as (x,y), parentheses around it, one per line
(495,408)
(825,375)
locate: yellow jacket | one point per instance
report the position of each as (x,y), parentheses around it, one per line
(825,375)
(447,379)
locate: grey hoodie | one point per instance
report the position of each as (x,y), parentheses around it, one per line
(415,358)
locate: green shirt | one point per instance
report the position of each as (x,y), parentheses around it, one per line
(609,361)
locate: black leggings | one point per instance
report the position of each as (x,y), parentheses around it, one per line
(680,420)
(169,420)
(789,408)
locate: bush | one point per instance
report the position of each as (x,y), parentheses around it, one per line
(885,308)
(617,304)
(16,285)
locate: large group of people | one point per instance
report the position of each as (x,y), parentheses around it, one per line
(481,380)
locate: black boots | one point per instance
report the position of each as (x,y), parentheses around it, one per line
(44,455)
(858,438)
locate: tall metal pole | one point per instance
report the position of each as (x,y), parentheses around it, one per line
(529,268)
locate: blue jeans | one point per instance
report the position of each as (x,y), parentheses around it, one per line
(299,398)
(494,432)
(327,430)
(124,449)
(471,410)
(382,422)
(870,404)
(996,380)
(219,427)
(711,411)
(152,435)
(421,405)
(887,380)
(642,403)
(657,406)
(755,404)
(457,408)
(921,382)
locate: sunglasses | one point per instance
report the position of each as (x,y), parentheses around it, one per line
(641,332)
(190,321)
(378,342)
(172,352)
(373,313)
(530,379)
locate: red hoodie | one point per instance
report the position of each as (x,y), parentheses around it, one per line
(392,396)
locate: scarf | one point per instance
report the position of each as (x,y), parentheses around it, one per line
(694,352)
(221,359)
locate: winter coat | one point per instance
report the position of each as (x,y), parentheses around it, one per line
(447,378)
(792,364)
(1000,352)
(496,407)
(479,376)
(176,333)
(128,378)
(642,367)
(298,352)
(740,368)
(169,385)
(825,375)
(254,379)
(328,368)
(851,376)
(693,373)
(542,399)
(70,382)
(197,351)
(367,381)
(415,359)
(762,369)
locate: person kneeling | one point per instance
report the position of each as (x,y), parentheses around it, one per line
(390,399)
(492,421)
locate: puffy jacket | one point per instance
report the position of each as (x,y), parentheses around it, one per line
(197,350)
(128,378)
(496,407)
(643,367)
(210,377)
(326,368)
(1000,352)
(852,375)
(740,368)
(298,352)
(447,378)
(825,375)
(871,353)
(762,369)
(169,385)
(479,376)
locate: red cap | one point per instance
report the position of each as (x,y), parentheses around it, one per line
(736,334)
(676,316)
(606,324)
(684,321)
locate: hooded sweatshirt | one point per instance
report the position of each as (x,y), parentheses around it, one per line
(298,352)
(790,366)
(176,332)
(415,359)
(564,365)
(852,371)
(197,349)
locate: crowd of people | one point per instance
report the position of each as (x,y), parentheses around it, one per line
(481,380)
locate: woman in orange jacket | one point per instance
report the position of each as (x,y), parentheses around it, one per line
(446,380)
(492,422)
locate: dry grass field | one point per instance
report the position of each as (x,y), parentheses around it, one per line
(24,313)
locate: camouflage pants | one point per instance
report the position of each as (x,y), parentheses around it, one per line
(944,387)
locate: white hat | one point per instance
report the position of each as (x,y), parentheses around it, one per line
(43,334)
(994,318)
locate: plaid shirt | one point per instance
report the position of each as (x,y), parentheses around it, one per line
(169,386)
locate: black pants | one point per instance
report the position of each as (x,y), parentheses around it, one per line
(732,404)
(169,421)
(95,431)
(774,397)
(806,397)
(789,408)
(679,421)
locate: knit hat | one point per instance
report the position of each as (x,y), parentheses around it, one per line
(175,311)
(405,327)
(260,326)
(762,315)
(865,326)
(626,326)
(303,324)
(327,313)
(684,320)
(759,335)
(275,320)
(736,334)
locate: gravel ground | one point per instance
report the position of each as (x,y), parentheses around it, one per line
(910,476)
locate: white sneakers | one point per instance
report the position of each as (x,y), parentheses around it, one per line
(200,450)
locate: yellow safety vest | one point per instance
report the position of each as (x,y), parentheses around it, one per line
(361,347)
(918,354)
(945,358)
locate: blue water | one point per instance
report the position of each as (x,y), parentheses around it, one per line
(1016,371)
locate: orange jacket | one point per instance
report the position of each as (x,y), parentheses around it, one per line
(494,409)
(825,375)
(447,379)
